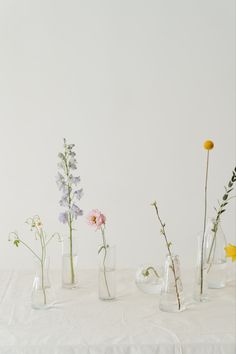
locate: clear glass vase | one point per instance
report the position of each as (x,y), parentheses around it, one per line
(107,273)
(172,297)
(70,262)
(42,296)
(201,284)
(215,255)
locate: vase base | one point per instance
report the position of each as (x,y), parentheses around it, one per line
(201,298)
(42,307)
(70,286)
(106,299)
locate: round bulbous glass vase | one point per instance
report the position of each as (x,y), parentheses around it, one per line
(107,273)
(149,279)
(215,255)
(172,296)
(70,262)
(201,284)
(42,296)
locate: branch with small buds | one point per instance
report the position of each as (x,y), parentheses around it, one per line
(222,208)
(168,244)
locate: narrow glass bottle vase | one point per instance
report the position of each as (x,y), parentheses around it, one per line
(42,293)
(201,284)
(172,297)
(69,262)
(107,273)
(215,255)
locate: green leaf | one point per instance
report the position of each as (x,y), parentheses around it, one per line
(169,244)
(16,242)
(99,250)
(225,196)
(230,190)
(222,211)
(230,184)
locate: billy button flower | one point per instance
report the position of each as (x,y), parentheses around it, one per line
(208,145)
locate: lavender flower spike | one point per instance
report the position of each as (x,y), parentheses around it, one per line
(67,183)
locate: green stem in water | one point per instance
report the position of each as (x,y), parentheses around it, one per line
(146,271)
(104,260)
(71,253)
(168,244)
(42,266)
(204,227)
(70,221)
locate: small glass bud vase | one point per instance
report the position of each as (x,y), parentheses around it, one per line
(42,294)
(149,279)
(201,283)
(172,298)
(69,262)
(107,273)
(215,255)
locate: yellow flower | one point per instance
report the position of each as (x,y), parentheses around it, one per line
(208,145)
(231,251)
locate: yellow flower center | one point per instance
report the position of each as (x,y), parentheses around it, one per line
(208,145)
(94,219)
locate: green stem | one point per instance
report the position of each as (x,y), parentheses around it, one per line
(71,252)
(43,286)
(204,227)
(42,266)
(104,260)
(29,248)
(146,271)
(70,222)
(170,254)
(210,265)
(212,245)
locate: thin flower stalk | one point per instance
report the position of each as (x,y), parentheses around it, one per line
(36,227)
(105,247)
(146,272)
(168,245)
(204,226)
(208,145)
(98,220)
(67,183)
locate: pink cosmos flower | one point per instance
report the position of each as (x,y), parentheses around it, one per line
(96,218)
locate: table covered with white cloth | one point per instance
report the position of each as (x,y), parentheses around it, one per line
(80,323)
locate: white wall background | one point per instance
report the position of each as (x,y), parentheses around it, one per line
(137,86)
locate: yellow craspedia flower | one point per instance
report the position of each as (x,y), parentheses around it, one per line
(231,251)
(208,144)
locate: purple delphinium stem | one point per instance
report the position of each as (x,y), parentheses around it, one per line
(66,183)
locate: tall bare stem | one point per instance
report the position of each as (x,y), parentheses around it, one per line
(168,244)
(204,226)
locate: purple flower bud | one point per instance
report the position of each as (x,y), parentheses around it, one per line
(74,180)
(64,200)
(63,217)
(78,194)
(76,211)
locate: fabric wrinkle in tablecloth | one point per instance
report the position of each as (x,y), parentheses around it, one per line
(80,323)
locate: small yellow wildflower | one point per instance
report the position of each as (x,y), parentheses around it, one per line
(208,145)
(231,251)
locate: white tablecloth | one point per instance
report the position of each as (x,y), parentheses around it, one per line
(82,324)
